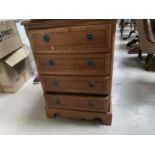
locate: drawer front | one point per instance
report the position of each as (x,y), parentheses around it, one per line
(72,84)
(86,103)
(75,64)
(83,37)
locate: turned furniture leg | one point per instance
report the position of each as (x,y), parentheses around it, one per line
(148,62)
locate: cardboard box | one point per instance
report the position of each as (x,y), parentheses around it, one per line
(15,70)
(9,38)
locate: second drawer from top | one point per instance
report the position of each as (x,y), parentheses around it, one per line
(74,64)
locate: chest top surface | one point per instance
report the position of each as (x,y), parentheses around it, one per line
(54,23)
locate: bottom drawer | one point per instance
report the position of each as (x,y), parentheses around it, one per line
(78,102)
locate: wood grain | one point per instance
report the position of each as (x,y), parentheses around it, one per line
(78,102)
(60,23)
(106,118)
(76,84)
(71,38)
(68,60)
(74,64)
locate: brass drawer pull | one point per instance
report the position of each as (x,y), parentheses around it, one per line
(46,38)
(51,62)
(90,63)
(91,103)
(55,82)
(91,84)
(90,36)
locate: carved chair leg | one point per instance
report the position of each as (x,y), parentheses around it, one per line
(135,50)
(131,32)
(121,30)
(133,41)
(140,55)
(121,22)
(148,62)
(121,25)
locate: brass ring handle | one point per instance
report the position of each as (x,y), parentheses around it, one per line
(90,62)
(91,103)
(90,36)
(51,62)
(57,101)
(55,82)
(46,38)
(91,84)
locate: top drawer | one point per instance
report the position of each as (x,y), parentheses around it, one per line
(69,38)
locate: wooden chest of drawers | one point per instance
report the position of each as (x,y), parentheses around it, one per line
(74,60)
